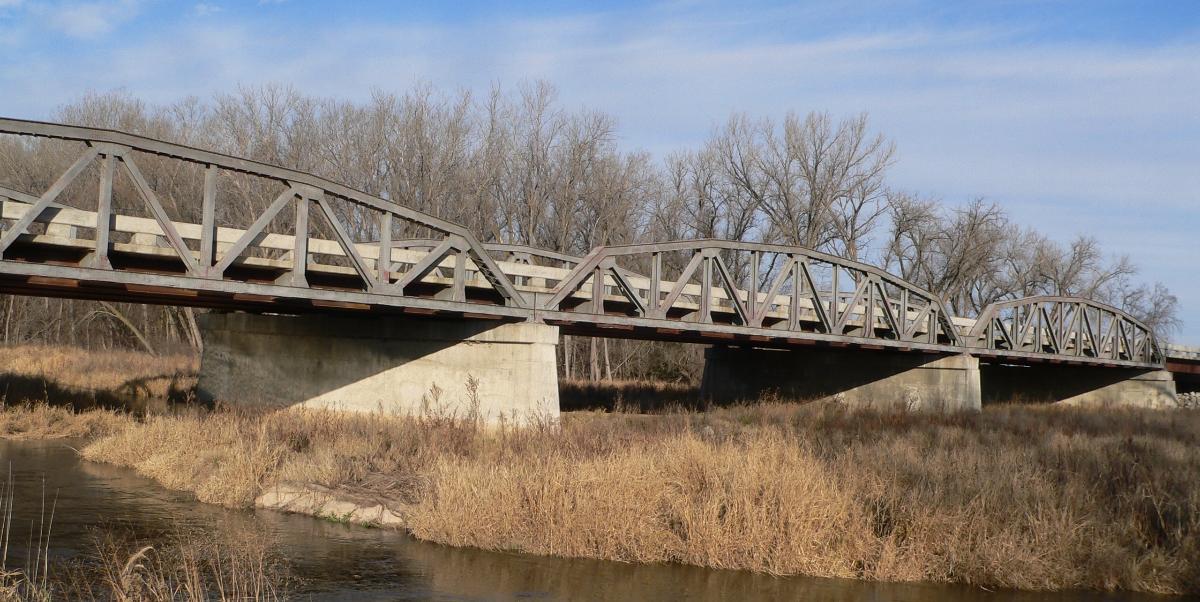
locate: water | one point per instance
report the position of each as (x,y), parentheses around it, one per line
(344,562)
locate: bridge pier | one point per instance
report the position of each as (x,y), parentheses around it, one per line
(1078,385)
(916,381)
(506,371)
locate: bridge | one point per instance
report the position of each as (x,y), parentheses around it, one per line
(332,296)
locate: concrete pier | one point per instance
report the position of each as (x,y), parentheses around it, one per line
(914,381)
(504,371)
(1078,385)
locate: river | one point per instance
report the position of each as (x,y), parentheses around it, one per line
(346,562)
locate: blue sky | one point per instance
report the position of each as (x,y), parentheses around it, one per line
(1078,117)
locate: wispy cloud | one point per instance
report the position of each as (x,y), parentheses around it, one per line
(89,19)
(204,9)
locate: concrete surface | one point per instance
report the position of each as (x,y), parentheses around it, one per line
(1081,385)
(914,381)
(506,371)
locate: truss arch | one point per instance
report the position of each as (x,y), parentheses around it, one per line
(211,254)
(753,285)
(1066,327)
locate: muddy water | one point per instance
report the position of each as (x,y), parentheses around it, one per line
(342,562)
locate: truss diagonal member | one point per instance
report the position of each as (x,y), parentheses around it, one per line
(810,286)
(1126,338)
(1156,354)
(943,319)
(1004,333)
(982,322)
(427,264)
(1087,328)
(43,202)
(1108,341)
(731,290)
(1031,317)
(1068,324)
(886,308)
(924,316)
(491,271)
(859,291)
(253,232)
(681,283)
(627,289)
(347,243)
(761,309)
(1139,341)
(160,215)
(575,279)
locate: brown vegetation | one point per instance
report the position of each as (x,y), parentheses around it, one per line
(637,396)
(182,567)
(1025,497)
(115,378)
(44,421)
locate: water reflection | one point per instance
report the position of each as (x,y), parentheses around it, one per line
(342,562)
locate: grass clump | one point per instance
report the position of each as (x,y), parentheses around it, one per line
(39,420)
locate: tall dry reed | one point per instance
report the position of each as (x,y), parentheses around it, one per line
(183,566)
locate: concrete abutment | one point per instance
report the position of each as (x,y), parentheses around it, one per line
(1090,386)
(921,382)
(505,371)
(879,380)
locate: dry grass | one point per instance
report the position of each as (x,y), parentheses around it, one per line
(1024,497)
(627,395)
(43,421)
(181,567)
(185,567)
(82,378)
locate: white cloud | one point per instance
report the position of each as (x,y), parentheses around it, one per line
(204,9)
(89,19)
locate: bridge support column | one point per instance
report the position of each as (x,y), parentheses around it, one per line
(1082,385)
(881,380)
(505,371)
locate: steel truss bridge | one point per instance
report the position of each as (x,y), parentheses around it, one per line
(320,246)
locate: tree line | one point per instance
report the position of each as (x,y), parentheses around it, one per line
(516,166)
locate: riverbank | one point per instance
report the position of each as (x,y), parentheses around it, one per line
(1017,497)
